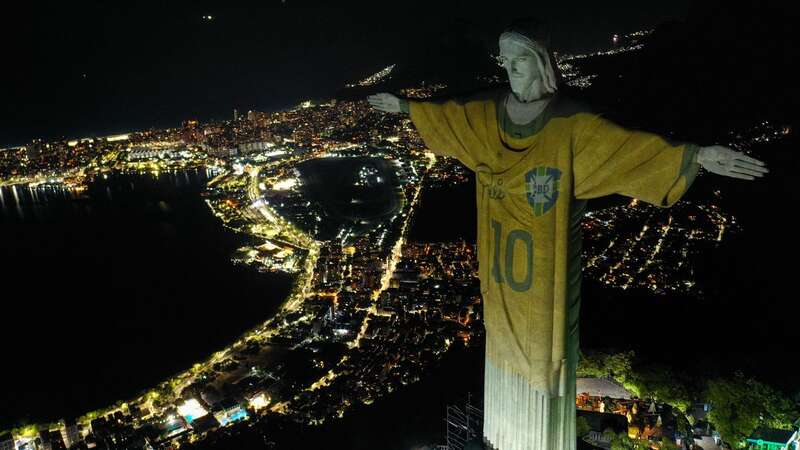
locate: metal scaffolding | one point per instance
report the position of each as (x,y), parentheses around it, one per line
(463,425)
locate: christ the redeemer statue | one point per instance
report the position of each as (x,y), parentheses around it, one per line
(538,158)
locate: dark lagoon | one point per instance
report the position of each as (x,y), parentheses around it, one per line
(356,193)
(110,293)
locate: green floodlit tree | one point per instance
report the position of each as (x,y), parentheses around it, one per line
(609,435)
(683,424)
(742,404)
(582,427)
(664,385)
(739,404)
(29,431)
(624,442)
(598,364)
(88,417)
(666,444)
(658,382)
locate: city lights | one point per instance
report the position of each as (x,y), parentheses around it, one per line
(191,410)
(391,305)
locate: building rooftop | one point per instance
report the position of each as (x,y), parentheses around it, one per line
(771,435)
(600,387)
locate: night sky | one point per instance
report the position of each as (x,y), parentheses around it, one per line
(73,70)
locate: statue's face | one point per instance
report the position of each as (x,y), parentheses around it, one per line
(523,68)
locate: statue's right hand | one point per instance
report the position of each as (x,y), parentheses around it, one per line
(385,102)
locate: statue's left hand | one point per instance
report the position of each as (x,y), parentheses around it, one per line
(730,163)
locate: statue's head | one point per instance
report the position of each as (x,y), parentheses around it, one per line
(524,54)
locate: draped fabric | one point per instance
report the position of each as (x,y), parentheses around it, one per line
(533,181)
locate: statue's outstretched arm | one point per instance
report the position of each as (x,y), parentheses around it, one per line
(730,163)
(448,126)
(610,159)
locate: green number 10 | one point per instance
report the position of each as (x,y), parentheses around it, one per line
(507,275)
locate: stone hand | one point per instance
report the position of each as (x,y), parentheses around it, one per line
(730,163)
(385,102)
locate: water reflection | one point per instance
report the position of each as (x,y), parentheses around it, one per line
(3,200)
(16,202)
(33,203)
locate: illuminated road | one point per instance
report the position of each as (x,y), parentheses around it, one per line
(385,279)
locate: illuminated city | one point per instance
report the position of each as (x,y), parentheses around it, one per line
(351,288)
(325,193)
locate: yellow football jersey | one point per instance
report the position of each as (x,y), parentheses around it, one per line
(533,181)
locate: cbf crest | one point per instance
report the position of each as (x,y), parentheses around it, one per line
(541,185)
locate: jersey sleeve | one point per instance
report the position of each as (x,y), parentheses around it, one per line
(453,127)
(609,159)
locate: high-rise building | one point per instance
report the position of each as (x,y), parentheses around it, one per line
(51,440)
(252,147)
(258,118)
(35,148)
(70,433)
(235,114)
